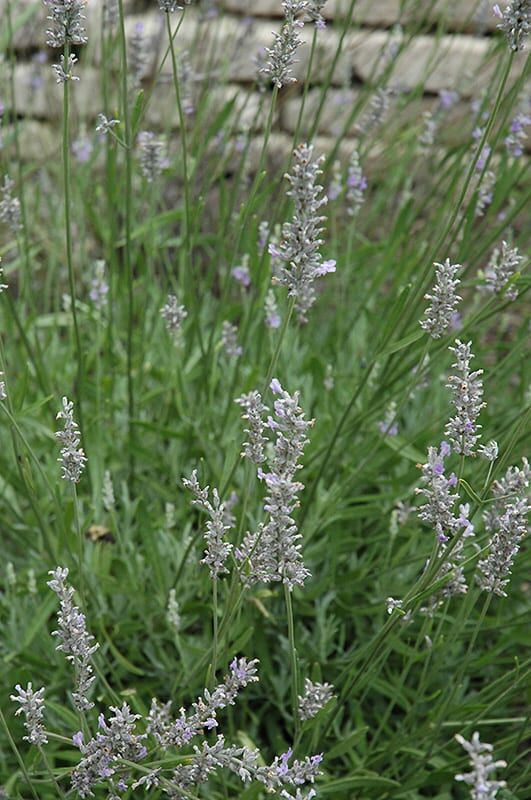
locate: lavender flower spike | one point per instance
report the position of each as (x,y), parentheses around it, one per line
(75,640)
(174,314)
(10,211)
(299,248)
(467,390)
(151,159)
(73,458)
(217,549)
(253,411)
(67,22)
(482,787)
(506,523)
(515,22)
(315,12)
(315,697)
(169,6)
(503,264)
(32,706)
(438,510)
(443,300)
(281,57)
(273,552)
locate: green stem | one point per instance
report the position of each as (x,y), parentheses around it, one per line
(18,756)
(188,267)
(79,549)
(69,254)
(293,659)
(128,244)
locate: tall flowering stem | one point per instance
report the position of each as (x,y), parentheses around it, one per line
(128,240)
(188,267)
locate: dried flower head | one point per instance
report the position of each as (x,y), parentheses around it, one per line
(73,458)
(75,640)
(32,706)
(482,787)
(67,22)
(443,300)
(281,57)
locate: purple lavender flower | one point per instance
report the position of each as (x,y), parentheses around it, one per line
(241,272)
(315,12)
(10,213)
(507,524)
(99,288)
(299,248)
(448,99)
(217,549)
(67,22)
(281,57)
(356,185)
(482,786)
(32,706)
(515,22)
(75,640)
(273,552)
(517,136)
(253,412)
(174,314)
(63,70)
(504,263)
(272,317)
(438,510)
(315,697)
(150,155)
(443,300)
(467,390)
(115,742)
(229,340)
(73,457)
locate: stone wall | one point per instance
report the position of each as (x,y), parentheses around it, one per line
(448,45)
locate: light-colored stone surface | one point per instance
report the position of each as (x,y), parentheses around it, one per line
(38,142)
(455,14)
(39,95)
(248,112)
